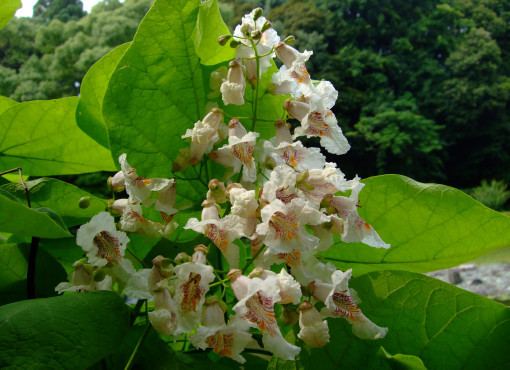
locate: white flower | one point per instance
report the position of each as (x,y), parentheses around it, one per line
(290,289)
(283,225)
(293,77)
(245,205)
(355,229)
(239,152)
(85,278)
(256,306)
(132,220)
(232,89)
(222,232)
(101,240)
(204,135)
(164,318)
(340,302)
(316,183)
(263,46)
(192,283)
(281,185)
(314,331)
(141,190)
(137,286)
(226,340)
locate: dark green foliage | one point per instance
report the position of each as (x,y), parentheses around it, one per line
(63,10)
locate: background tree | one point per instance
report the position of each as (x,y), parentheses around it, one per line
(63,10)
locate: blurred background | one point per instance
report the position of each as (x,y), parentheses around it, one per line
(424,85)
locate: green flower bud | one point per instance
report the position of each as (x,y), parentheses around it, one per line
(99,275)
(290,40)
(246,29)
(234,43)
(267,25)
(84,202)
(223,39)
(256,35)
(257,13)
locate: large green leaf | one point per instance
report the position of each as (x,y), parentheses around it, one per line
(444,326)
(7,10)
(429,227)
(61,197)
(447,327)
(17,218)
(71,331)
(64,250)
(43,138)
(158,89)
(209,27)
(89,115)
(6,103)
(13,273)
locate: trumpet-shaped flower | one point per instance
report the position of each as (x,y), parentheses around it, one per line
(314,331)
(256,306)
(227,340)
(164,318)
(340,303)
(239,153)
(283,226)
(101,240)
(204,135)
(232,89)
(192,283)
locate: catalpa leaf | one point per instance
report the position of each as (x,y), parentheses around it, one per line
(61,197)
(70,331)
(6,103)
(429,227)
(446,327)
(17,218)
(7,10)
(43,138)
(209,27)
(158,89)
(89,115)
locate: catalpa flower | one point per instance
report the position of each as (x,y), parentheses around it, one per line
(85,278)
(355,228)
(290,289)
(340,302)
(314,331)
(164,318)
(283,226)
(204,135)
(316,183)
(264,45)
(256,306)
(192,283)
(232,89)
(102,241)
(239,151)
(293,77)
(162,192)
(222,232)
(227,340)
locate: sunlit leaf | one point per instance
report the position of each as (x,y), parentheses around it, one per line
(71,331)
(7,10)
(400,361)
(43,138)
(6,103)
(209,27)
(158,89)
(89,115)
(429,227)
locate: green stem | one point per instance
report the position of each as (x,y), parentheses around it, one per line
(253,259)
(222,282)
(137,258)
(138,346)
(256,101)
(136,310)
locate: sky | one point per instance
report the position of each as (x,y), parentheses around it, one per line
(26,9)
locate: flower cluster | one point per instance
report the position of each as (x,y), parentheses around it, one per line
(277,196)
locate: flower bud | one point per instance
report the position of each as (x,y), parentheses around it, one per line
(283,132)
(99,275)
(217,192)
(84,202)
(296,109)
(314,331)
(223,39)
(182,257)
(290,40)
(118,206)
(234,43)
(267,25)
(288,316)
(256,35)
(257,13)
(246,29)
(257,272)
(117,182)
